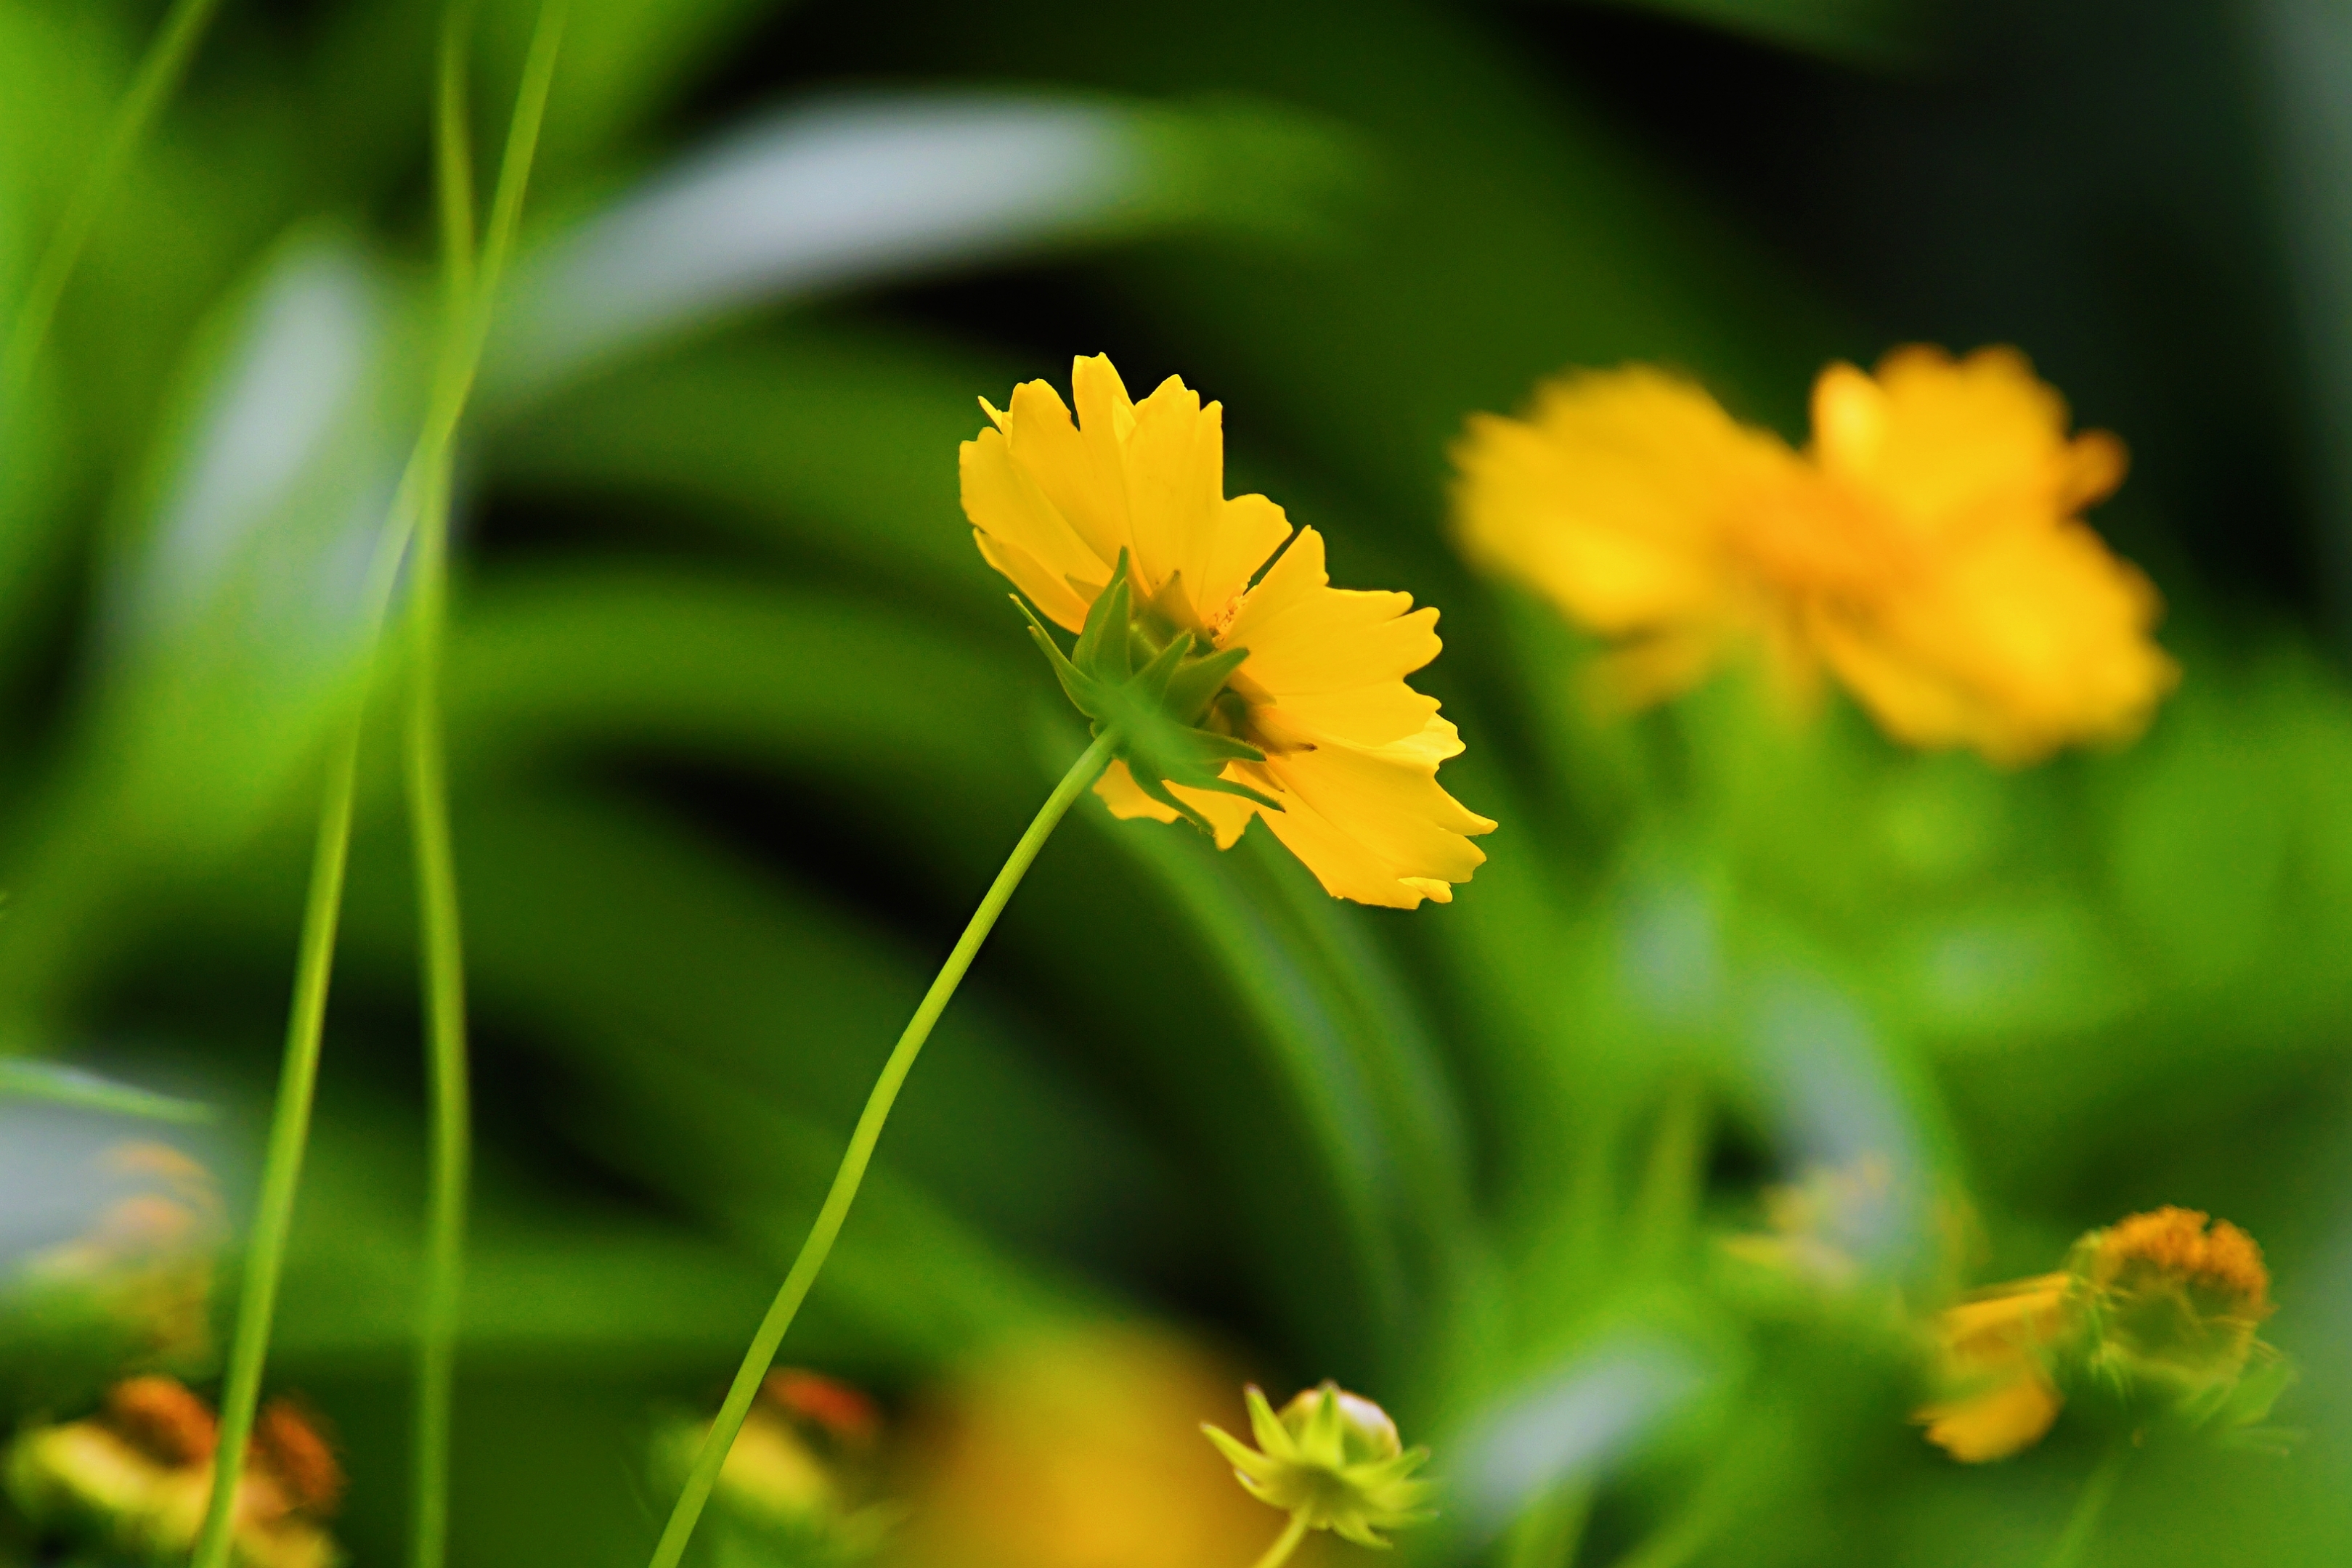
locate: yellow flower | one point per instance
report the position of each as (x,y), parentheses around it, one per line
(137,1478)
(1332,1460)
(2157,1307)
(801,1477)
(1926,548)
(2172,1303)
(1343,747)
(1074,1449)
(144,1268)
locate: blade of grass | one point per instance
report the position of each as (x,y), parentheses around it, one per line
(159,73)
(61,1085)
(425,478)
(440,937)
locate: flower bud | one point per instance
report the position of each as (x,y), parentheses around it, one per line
(1332,1459)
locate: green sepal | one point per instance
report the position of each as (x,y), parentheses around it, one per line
(1102,650)
(1154,712)
(2247,1403)
(1193,689)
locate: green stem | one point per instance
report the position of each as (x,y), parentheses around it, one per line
(2091,1507)
(159,73)
(1676,1174)
(1285,1543)
(852,1171)
(451,1108)
(439,932)
(290,1129)
(453,158)
(1547,1533)
(423,495)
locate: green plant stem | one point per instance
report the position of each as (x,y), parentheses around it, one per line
(453,158)
(1677,1173)
(167,59)
(1285,1543)
(2091,1507)
(1547,1533)
(450,1100)
(440,930)
(425,478)
(854,1161)
(289,1131)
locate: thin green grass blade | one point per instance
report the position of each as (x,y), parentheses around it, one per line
(426,477)
(61,1085)
(440,936)
(159,74)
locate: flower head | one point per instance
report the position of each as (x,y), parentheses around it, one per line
(2157,1308)
(1926,548)
(138,1280)
(1332,1459)
(1257,689)
(137,1478)
(800,1478)
(2171,1302)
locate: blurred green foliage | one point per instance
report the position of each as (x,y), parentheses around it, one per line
(741,726)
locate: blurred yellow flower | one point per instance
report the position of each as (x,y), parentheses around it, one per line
(1349,752)
(137,1478)
(144,1268)
(801,1480)
(2158,1307)
(1926,548)
(1332,1460)
(2172,1303)
(1813,1224)
(1076,1449)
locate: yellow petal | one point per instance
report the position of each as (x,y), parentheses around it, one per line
(1126,799)
(1345,868)
(1306,636)
(1005,504)
(1071,472)
(1175,485)
(1054,597)
(1941,441)
(1366,715)
(1227,814)
(1994,1326)
(2022,639)
(1390,802)
(1996,1423)
(1614,498)
(1253,530)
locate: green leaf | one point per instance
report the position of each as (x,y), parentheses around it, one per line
(58,1084)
